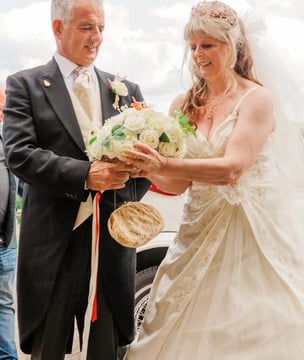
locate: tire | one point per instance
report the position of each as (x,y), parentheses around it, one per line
(121,352)
(144,280)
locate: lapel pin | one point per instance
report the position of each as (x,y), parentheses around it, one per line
(46,83)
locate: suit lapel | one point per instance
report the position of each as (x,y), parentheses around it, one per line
(53,85)
(107,97)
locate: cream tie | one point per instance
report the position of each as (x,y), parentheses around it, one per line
(83,90)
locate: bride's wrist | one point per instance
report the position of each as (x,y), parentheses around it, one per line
(163,163)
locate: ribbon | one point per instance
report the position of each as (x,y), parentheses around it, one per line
(91,311)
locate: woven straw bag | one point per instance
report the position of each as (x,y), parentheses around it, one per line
(135,223)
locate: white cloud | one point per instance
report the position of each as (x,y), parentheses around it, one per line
(150,57)
(176,13)
(142,40)
(28,24)
(25,34)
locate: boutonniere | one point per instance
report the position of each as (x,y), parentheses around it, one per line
(119,89)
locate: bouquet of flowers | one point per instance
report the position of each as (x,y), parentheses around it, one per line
(166,134)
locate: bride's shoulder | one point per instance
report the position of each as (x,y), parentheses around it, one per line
(177,103)
(256,102)
(255,94)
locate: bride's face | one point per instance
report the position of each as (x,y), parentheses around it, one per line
(210,56)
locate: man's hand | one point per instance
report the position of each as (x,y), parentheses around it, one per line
(108,176)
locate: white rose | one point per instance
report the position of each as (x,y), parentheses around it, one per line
(150,138)
(130,136)
(105,132)
(167,149)
(95,150)
(181,149)
(148,112)
(173,131)
(109,149)
(128,112)
(134,123)
(157,124)
(116,148)
(114,120)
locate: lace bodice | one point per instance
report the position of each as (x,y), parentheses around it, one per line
(256,182)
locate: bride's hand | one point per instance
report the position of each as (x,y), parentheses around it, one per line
(138,173)
(145,158)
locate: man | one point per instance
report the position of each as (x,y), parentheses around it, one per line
(7,252)
(46,128)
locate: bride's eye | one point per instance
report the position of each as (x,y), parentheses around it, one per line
(206,46)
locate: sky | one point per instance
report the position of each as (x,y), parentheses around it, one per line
(142,40)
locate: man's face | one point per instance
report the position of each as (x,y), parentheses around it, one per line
(80,39)
(2,101)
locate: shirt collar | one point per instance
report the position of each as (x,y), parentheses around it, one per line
(67,67)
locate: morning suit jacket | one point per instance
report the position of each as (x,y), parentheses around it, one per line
(10,217)
(44,148)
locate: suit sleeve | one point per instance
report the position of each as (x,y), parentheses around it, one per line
(38,149)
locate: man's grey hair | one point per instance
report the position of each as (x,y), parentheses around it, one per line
(63,9)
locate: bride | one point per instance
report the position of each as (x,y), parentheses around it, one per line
(232,284)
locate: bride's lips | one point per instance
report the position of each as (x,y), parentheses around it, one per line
(203,64)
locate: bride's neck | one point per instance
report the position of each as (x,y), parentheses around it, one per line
(219,86)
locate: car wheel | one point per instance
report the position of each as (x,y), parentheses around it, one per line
(121,352)
(144,280)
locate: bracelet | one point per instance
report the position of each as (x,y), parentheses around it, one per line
(166,164)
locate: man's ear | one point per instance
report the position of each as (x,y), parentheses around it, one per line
(57,28)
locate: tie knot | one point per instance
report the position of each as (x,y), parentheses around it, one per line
(83,76)
(80,70)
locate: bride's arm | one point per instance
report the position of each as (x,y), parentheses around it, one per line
(254,125)
(171,185)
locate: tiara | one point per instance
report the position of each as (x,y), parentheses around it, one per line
(214,9)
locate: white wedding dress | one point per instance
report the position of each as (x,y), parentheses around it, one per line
(232,284)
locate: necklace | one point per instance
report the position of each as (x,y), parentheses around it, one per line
(211,105)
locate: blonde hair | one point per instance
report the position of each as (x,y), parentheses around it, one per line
(217,20)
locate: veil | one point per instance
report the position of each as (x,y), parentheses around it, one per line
(274,41)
